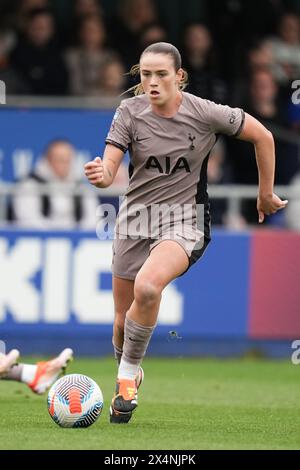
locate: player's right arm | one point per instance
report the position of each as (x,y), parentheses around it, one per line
(101,172)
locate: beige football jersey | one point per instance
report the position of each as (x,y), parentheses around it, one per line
(168,158)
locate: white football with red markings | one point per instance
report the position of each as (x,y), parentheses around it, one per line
(75,401)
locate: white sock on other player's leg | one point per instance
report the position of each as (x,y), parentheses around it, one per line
(28,373)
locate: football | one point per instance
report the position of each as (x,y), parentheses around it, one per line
(75,401)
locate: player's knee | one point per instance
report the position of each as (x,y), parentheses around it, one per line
(146,292)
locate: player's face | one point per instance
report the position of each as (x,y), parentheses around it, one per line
(159,78)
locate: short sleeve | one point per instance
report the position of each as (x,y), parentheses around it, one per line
(225,120)
(120,129)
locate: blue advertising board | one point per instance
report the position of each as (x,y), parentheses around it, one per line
(24,133)
(56,289)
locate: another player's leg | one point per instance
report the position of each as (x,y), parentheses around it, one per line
(166,262)
(7,361)
(39,377)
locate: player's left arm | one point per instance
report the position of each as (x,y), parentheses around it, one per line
(262,139)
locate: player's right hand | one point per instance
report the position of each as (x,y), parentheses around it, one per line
(94,171)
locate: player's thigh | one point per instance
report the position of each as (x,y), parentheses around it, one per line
(123,293)
(166,262)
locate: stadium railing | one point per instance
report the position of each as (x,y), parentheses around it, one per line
(233,194)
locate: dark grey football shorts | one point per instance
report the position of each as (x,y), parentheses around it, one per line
(130,254)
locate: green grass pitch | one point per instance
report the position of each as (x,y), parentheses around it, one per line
(183,404)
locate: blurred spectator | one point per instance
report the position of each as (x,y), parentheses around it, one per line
(37,57)
(25,8)
(151,34)
(259,57)
(87,8)
(60,209)
(80,10)
(198,60)
(286,49)
(112,80)
(14,83)
(125,28)
(85,62)
(263,97)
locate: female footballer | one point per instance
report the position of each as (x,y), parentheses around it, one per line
(169,134)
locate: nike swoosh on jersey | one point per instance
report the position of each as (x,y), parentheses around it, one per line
(138,139)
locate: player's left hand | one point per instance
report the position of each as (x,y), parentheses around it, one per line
(269,205)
